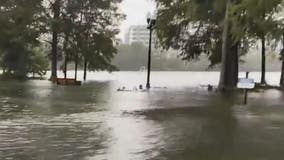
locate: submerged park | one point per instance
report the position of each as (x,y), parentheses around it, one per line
(63,66)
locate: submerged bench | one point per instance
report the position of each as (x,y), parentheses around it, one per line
(68,82)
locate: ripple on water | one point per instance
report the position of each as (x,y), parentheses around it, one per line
(66,136)
(42,121)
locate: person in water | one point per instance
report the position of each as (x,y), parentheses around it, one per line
(210,88)
(134,89)
(121,89)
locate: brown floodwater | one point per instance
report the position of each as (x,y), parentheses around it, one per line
(176,120)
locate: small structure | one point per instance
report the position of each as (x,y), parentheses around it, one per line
(68,82)
(246,84)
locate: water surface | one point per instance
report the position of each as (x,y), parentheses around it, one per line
(178,119)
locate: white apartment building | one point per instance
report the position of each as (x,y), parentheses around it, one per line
(139,33)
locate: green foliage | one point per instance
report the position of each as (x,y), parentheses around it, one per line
(38,62)
(87,29)
(193,27)
(20,29)
(255,19)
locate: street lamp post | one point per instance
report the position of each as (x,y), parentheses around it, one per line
(151,25)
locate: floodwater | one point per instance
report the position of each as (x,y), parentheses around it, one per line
(177,120)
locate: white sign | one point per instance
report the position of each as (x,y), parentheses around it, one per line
(245,83)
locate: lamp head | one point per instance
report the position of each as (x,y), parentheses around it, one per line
(148,16)
(148,20)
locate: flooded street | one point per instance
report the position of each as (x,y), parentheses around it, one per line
(177,120)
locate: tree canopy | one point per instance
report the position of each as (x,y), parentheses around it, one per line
(193,27)
(20,29)
(87,31)
(197,27)
(83,30)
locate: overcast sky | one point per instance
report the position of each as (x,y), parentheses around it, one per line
(136,11)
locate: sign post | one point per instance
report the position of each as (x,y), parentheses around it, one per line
(246,91)
(246,84)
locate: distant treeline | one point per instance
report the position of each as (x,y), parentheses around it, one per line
(133,57)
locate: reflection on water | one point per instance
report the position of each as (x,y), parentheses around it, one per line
(40,121)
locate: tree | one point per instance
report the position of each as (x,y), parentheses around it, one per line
(196,27)
(38,62)
(281,37)
(255,19)
(84,30)
(53,13)
(282,59)
(225,37)
(89,30)
(20,29)
(214,27)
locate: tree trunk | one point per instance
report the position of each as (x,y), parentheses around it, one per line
(66,55)
(282,69)
(235,64)
(263,61)
(230,66)
(65,67)
(282,73)
(224,48)
(56,11)
(85,69)
(76,66)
